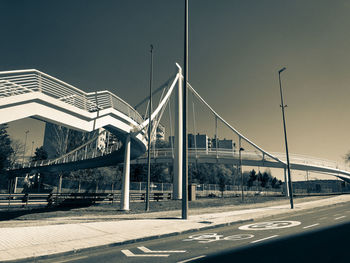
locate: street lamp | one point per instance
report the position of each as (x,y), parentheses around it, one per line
(25,144)
(184,124)
(285,139)
(149,133)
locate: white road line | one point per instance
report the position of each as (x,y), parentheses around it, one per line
(323,218)
(190,259)
(128,253)
(259,240)
(339,217)
(311,225)
(146,250)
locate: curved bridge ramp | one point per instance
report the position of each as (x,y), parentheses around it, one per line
(31,93)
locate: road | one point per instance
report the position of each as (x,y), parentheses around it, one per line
(200,244)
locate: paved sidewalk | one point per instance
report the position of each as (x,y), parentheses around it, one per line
(36,241)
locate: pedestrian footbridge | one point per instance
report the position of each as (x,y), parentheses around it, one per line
(34,94)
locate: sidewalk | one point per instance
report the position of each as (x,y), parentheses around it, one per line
(36,241)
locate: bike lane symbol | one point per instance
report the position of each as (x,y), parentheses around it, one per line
(270,225)
(213,237)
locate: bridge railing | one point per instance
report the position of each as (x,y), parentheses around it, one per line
(88,150)
(211,152)
(308,160)
(25,81)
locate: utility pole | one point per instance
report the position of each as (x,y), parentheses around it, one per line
(184,128)
(285,139)
(149,133)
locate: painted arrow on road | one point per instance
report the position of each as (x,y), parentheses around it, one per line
(146,250)
(150,253)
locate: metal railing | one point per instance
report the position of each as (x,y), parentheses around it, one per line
(25,81)
(88,150)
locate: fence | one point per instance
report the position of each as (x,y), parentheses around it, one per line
(33,200)
(76,186)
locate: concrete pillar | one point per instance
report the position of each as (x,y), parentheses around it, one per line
(59,188)
(124,202)
(15,189)
(178,140)
(286,182)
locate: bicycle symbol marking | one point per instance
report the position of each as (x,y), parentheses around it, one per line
(212,237)
(270,225)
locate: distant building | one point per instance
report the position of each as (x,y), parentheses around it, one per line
(223,144)
(199,141)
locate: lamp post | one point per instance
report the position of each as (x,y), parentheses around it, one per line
(25,144)
(285,139)
(184,126)
(149,133)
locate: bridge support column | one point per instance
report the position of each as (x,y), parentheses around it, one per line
(124,202)
(286,182)
(178,140)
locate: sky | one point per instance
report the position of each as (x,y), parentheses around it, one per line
(236,48)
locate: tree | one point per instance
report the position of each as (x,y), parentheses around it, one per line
(224,175)
(17,151)
(5,147)
(252,178)
(265,179)
(5,156)
(40,154)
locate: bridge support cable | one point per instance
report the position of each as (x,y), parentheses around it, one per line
(171,131)
(143,125)
(232,128)
(216,136)
(124,202)
(194,130)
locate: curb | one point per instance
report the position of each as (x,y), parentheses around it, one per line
(131,241)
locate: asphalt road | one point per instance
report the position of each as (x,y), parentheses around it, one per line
(202,244)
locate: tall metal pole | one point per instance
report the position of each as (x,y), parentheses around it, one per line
(285,139)
(25,144)
(149,133)
(184,128)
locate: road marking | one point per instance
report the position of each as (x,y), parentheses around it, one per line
(239,237)
(259,240)
(212,237)
(339,217)
(311,225)
(204,238)
(270,225)
(323,218)
(146,250)
(190,259)
(128,253)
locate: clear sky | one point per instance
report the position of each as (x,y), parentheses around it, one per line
(236,48)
